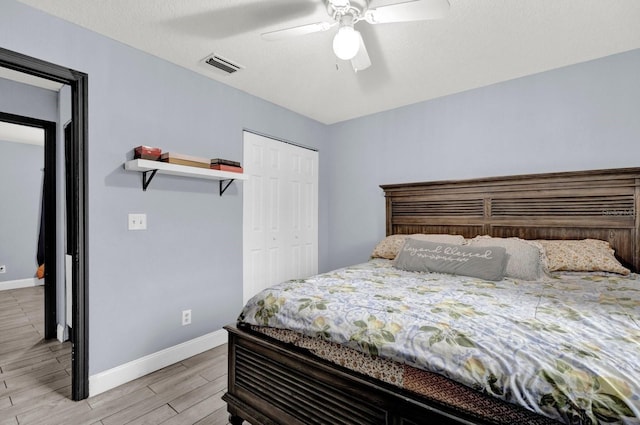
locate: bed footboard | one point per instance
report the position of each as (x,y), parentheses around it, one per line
(272,383)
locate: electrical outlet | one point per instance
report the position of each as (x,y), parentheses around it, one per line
(137,222)
(186,317)
(3,269)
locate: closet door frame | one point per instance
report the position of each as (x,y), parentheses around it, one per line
(287,238)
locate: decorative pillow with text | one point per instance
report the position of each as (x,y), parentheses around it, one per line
(488,262)
(390,246)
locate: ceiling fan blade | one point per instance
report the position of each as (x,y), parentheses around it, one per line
(417,10)
(296,31)
(361,60)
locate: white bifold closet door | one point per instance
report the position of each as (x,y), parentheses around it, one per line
(280,213)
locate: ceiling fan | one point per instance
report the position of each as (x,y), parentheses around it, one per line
(348,43)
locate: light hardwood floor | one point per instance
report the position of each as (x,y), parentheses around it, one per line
(35,379)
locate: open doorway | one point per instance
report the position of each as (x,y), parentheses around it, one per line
(29,158)
(78,82)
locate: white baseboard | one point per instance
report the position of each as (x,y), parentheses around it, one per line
(122,374)
(62,333)
(20,283)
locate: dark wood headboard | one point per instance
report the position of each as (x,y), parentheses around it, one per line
(597,204)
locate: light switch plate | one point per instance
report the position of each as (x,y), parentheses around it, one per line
(137,222)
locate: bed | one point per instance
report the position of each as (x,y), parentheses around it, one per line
(293,376)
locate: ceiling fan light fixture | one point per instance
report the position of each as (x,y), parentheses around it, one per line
(346,42)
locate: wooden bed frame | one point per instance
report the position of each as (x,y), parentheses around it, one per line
(273,383)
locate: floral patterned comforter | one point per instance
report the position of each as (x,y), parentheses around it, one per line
(567,347)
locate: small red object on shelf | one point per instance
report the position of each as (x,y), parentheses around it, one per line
(147,152)
(223,167)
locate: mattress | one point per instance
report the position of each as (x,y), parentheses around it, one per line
(565,348)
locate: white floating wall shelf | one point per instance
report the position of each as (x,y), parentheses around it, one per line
(150,168)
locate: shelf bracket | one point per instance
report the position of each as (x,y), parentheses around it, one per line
(222,183)
(145,180)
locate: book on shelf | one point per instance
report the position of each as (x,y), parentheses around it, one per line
(223,167)
(220,161)
(180,159)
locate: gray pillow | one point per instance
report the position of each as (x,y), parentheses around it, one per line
(487,263)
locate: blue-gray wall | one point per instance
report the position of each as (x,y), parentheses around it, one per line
(26,100)
(191,254)
(20,196)
(580,117)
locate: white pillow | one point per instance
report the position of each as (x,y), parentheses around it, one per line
(525,257)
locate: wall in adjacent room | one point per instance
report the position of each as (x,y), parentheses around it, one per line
(28,101)
(21,175)
(580,117)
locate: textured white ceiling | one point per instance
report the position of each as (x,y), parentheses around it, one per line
(480,42)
